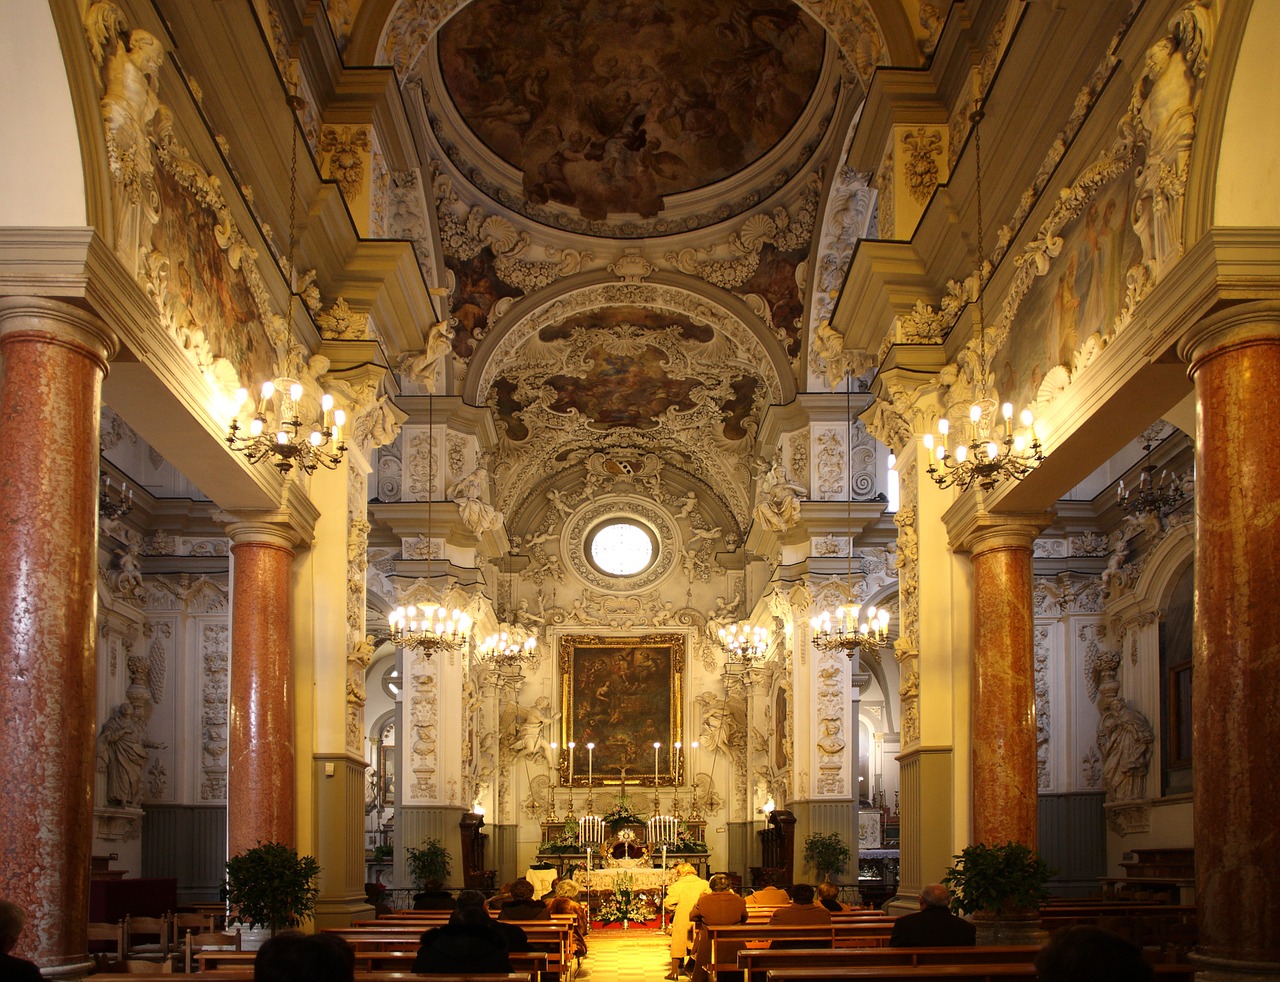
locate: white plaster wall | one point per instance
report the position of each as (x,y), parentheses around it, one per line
(41,181)
(1249,157)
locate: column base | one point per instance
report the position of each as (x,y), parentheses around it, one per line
(341,912)
(78,969)
(1230,970)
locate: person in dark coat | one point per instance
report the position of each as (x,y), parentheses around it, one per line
(433,897)
(469,944)
(290,955)
(522,906)
(1087,952)
(934,926)
(720,906)
(12,919)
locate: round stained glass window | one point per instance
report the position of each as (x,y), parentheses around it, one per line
(621,547)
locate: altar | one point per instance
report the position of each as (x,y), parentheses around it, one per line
(642,878)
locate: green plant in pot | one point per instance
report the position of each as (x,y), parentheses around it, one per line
(429,862)
(1002,887)
(272,886)
(826,853)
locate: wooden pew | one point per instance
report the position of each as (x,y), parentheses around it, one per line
(400,936)
(728,939)
(238,975)
(978,972)
(758,961)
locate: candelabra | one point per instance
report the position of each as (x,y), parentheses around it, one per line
(428,628)
(744,641)
(113,503)
(1151,496)
(845,631)
(278,432)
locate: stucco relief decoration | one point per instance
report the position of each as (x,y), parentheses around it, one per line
(658,520)
(831,698)
(1040,653)
(424,730)
(346,148)
(215,651)
(471,494)
(423,478)
(700,367)
(723,730)
(923,147)
(831,465)
(175,229)
(778,496)
(340,323)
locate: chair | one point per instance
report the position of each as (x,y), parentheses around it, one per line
(187,922)
(146,927)
(101,935)
(135,966)
(193,944)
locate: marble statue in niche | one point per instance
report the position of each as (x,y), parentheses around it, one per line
(1125,739)
(471,493)
(122,755)
(777,499)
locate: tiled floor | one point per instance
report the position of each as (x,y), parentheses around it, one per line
(639,954)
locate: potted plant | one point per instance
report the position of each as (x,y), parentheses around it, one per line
(429,863)
(272,886)
(826,853)
(1002,887)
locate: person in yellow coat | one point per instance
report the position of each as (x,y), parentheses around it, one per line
(681,896)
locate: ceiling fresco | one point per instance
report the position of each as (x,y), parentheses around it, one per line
(609,107)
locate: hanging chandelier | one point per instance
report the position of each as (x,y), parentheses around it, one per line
(428,628)
(842,629)
(744,641)
(994,452)
(278,432)
(1151,496)
(509,646)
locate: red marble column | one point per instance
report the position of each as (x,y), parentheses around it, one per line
(1234,359)
(260,756)
(53,358)
(1003,709)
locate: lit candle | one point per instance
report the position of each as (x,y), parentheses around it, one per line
(590,754)
(556,766)
(656,745)
(677,773)
(571,745)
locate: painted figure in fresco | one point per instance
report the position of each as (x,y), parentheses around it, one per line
(1124,740)
(122,755)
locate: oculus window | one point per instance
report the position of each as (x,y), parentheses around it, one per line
(621,547)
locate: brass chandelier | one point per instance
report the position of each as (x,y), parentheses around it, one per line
(745,642)
(1151,496)
(277,432)
(511,645)
(994,452)
(844,629)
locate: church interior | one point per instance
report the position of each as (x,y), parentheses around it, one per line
(487,421)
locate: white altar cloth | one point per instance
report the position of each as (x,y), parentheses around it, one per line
(642,878)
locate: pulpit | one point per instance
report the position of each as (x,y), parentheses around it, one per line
(474,875)
(777,849)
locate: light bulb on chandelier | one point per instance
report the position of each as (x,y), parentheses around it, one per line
(848,630)
(277,430)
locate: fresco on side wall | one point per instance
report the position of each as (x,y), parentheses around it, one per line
(1079,296)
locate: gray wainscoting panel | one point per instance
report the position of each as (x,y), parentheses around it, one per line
(189,844)
(1073,840)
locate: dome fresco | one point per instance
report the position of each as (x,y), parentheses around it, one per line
(611,107)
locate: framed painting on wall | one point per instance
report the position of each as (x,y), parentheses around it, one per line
(624,694)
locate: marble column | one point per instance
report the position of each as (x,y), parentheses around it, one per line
(1003,697)
(260,756)
(1234,359)
(53,358)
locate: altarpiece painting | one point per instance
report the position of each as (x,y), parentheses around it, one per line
(623,694)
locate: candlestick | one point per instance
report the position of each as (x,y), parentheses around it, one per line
(591,748)
(555,747)
(655,766)
(571,746)
(675,777)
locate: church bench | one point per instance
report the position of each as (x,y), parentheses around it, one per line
(555,935)
(977,972)
(849,935)
(758,961)
(240,974)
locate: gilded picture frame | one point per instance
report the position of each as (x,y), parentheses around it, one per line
(623,694)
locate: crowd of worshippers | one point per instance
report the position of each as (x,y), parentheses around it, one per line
(476,941)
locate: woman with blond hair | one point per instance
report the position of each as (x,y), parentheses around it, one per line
(682,894)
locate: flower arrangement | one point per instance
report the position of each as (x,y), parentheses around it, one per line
(686,839)
(626,903)
(621,814)
(565,841)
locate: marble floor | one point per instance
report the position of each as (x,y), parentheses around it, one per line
(639,954)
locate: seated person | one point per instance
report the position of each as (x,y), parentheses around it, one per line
(829,896)
(290,955)
(513,937)
(766,894)
(1086,952)
(564,900)
(12,919)
(433,897)
(720,906)
(470,943)
(934,926)
(801,912)
(522,906)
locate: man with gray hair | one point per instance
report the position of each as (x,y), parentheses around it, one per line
(12,919)
(934,926)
